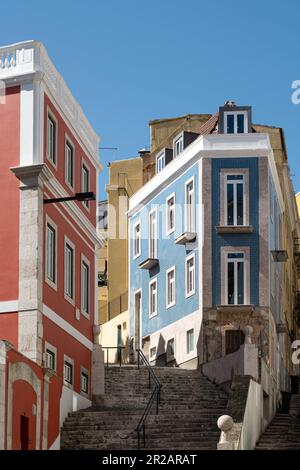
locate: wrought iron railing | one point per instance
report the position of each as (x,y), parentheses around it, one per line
(154,397)
(119,354)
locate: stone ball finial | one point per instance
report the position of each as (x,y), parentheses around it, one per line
(96,332)
(248,330)
(225,423)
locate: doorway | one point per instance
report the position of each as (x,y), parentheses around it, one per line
(24,432)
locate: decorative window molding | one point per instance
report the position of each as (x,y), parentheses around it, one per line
(190,275)
(69,270)
(190,341)
(190,206)
(224,182)
(152,354)
(171,349)
(85,287)
(153,297)
(137,239)
(84,382)
(69,163)
(51,138)
(85,182)
(238,258)
(178,145)
(68,371)
(153,233)
(50,356)
(235,122)
(51,235)
(160,162)
(171,287)
(170,213)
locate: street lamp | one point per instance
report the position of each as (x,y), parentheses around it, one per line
(87,196)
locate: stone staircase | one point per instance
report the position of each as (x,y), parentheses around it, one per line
(284,431)
(189,408)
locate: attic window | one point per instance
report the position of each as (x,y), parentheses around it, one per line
(178,146)
(160,162)
(235,122)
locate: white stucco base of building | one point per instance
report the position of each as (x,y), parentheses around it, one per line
(178,330)
(70,401)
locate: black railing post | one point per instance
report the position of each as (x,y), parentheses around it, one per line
(138,353)
(157,401)
(107,351)
(149,386)
(120,356)
(144,435)
(139,446)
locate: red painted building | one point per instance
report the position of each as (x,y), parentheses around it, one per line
(48,276)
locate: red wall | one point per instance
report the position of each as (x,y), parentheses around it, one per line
(80,157)
(24,397)
(9,201)
(9,327)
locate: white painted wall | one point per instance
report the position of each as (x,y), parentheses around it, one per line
(253,417)
(69,401)
(178,330)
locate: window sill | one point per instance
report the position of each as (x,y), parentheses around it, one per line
(235,308)
(149,263)
(186,237)
(234,228)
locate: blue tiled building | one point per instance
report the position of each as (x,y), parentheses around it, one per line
(205,244)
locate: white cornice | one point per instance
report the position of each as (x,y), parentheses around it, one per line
(213,146)
(29,60)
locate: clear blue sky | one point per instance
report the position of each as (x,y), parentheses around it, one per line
(129,61)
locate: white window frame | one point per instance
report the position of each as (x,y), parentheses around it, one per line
(53,225)
(51,117)
(170,229)
(235,183)
(189,293)
(84,165)
(178,139)
(86,372)
(69,144)
(187,341)
(235,114)
(69,298)
(71,362)
(53,350)
(153,237)
(223,195)
(152,356)
(235,261)
(169,285)
(171,357)
(151,312)
(161,157)
(84,260)
(137,253)
(190,225)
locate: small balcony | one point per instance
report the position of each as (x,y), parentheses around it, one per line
(279,256)
(186,237)
(234,229)
(149,263)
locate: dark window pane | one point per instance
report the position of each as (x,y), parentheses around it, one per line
(240,283)
(240,123)
(230,123)
(230,204)
(240,204)
(230,283)
(235,255)
(234,177)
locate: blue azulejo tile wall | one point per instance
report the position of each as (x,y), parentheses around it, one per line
(169,255)
(243,239)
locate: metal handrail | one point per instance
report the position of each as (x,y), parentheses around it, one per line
(141,427)
(113,347)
